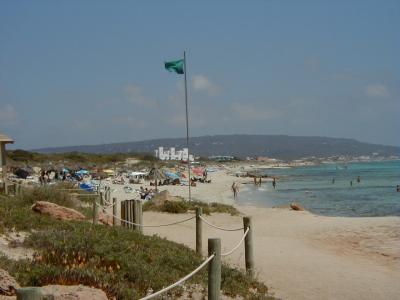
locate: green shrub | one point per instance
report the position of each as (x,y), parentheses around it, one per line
(185,206)
(48,193)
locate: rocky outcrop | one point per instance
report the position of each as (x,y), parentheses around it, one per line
(8,285)
(57,211)
(296,206)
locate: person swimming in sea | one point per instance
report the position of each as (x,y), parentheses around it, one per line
(333,180)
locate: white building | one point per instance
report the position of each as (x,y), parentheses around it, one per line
(172,154)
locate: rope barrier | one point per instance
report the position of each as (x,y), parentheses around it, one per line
(180,280)
(105,206)
(237,246)
(220,228)
(108,205)
(141,225)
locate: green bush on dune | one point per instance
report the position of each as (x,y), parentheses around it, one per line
(178,207)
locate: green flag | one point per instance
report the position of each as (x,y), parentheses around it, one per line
(175,66)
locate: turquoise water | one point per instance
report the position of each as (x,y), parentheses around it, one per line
(312,187)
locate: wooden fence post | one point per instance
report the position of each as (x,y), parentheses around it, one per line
(129,213)
(135,216)
(95,211)
(122,210)
(139,214)
(199,238)
(114,211)
(248,246)
(214,269)
(102,200)
(29,293)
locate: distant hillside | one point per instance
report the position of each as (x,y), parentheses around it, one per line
(276,146)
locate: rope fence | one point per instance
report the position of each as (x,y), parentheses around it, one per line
(180,281)
(220,228)
(132,217)
(238,245)
(141,225)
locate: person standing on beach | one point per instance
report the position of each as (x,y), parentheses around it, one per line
(333,180)
(235,189)
(255,180)
(259,182)
(351,182)
(358,179)
(274,183)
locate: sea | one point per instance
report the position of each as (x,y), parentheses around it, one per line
(326,189)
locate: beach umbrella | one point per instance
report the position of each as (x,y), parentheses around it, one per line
(82,172)
(171,175)
(21,173)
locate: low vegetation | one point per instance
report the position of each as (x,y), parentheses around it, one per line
(183,206)
(122,262)
(16,213)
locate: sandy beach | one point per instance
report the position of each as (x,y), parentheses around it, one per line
(298,255)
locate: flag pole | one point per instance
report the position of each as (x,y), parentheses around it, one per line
(187,124)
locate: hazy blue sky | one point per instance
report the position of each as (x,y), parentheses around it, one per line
(87,72)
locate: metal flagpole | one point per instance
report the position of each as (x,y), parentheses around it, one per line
(187,123)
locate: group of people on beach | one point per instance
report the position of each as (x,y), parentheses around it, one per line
(145,193)
(46,176)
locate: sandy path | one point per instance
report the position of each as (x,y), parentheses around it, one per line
(303,256)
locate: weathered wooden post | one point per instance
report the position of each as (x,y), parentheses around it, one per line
(29,293)
(102,200)
(114,211)
(123,212)
(139,216)
(248,246)
(214,269)
(136,214)
(129,213)
(95,211)
(199,238)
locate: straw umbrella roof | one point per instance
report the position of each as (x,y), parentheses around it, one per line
(5,139)
(156,173)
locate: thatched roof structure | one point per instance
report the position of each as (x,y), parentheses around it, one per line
(156,174)
(5,139)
